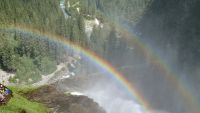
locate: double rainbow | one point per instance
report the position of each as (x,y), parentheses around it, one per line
(116,75)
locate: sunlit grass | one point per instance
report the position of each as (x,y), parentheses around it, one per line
(19,104)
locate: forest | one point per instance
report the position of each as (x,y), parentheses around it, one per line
(20,52)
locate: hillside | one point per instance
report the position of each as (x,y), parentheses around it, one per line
(89,26)
(42,15)
(29,57)
(26,100)
(116,10)
(20,104)
(24,53)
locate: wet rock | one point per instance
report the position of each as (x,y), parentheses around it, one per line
(60,102)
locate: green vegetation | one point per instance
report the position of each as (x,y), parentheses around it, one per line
(28,56)
(25,54)
(108,42)
(19,104)
(26,67)
(121,10)
(43,15)
(114,9)
(22,90)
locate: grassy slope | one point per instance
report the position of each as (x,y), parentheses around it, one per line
(19,104)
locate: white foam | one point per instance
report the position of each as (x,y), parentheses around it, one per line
(76,93)
(65,76)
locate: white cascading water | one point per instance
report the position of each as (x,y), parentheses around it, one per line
(108,96)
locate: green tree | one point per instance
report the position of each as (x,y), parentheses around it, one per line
(7,52)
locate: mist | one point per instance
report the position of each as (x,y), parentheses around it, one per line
(108,93)
(170,29)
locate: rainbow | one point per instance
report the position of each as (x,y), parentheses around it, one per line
(106,66)
(181,86)
(116,75)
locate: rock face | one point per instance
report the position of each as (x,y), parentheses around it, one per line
(63,103)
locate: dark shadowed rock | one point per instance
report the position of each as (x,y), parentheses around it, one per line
(64,103)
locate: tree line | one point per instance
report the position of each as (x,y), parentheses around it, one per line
(46,16)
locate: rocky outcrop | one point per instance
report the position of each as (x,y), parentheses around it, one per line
(64,103)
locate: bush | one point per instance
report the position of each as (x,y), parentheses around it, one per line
(26,70)
(47,66)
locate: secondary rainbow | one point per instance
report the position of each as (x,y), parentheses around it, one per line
(106,66)
(181,86)
(117,76)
